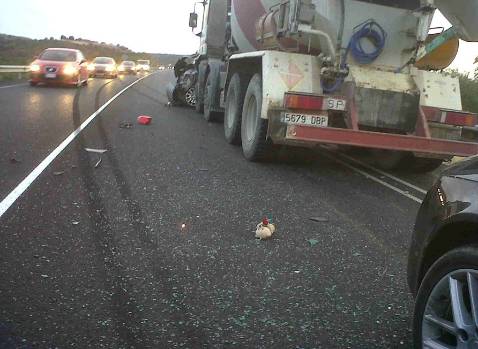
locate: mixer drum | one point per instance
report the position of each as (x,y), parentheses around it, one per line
(268,38)
(440,58)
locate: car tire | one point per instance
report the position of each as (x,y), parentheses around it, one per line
(209,115)
(33,83)
(255,145)
(448,273)
(233,111)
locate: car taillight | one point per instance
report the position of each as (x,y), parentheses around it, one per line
(314,102)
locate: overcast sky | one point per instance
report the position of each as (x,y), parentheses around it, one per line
(156,26)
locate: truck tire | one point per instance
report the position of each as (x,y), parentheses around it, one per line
(404,161)
(255,145)
(424,165)
(391,159)
(433,300)
(209,115)
(199,102)
(233,112)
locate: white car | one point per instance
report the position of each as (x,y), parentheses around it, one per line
(143,65)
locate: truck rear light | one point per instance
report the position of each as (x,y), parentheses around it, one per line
(461,119)
(314,102)
(450,117)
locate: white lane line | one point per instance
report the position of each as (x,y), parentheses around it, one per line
(8,86)
(20,189)
(373,178)
(386,174)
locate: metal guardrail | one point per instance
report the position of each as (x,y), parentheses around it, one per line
(14,68)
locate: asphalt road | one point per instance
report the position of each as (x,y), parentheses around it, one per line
(155,247)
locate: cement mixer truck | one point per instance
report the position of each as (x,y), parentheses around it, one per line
(360,73)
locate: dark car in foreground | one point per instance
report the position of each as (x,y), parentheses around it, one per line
(127,67)
(59,65)
(443,261)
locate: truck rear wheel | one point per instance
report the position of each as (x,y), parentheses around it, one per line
(404,161)
(424,165)
(255,145)
(233,112)
(391,159)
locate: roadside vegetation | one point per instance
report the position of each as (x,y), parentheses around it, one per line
(16,50)
(469,89)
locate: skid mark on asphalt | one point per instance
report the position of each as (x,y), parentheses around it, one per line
(13,196)
(123,305)
(140,227)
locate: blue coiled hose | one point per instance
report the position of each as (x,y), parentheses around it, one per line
(374,33)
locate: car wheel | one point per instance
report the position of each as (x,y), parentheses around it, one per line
(33,83)
(255,145)
(446,307)
(190,97)
(233,112)
(85,83)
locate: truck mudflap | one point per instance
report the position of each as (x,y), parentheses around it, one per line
(285,128)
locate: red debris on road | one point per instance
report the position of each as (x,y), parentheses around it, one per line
(144,120)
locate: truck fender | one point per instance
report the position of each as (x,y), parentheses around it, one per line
(245,66)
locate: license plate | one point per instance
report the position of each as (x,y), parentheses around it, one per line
(335,104)
(305,119)
(50,75)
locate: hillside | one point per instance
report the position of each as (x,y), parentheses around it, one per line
(15,50)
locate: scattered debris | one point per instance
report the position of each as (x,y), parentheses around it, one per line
(97,151)
(319,219)
(313,242)
(74,166)
(203,170)
(58,173)
(44,276)
(169,104)
(75,222)
(144,119)
(98,162)
(126,124)
(265,229)
(14,161)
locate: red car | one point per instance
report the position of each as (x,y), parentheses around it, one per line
(59,65)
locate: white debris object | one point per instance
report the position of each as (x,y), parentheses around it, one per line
(265,229)
(97,151)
